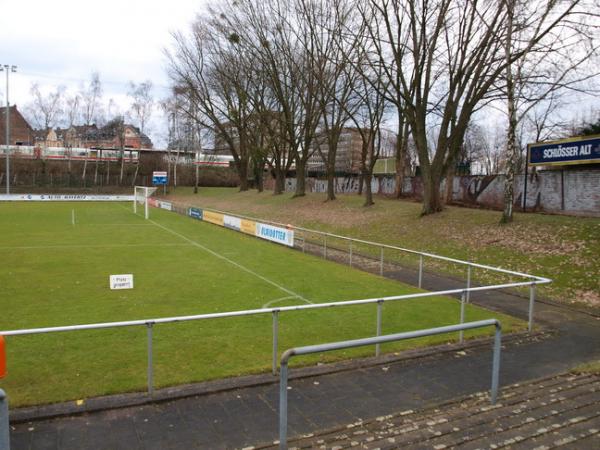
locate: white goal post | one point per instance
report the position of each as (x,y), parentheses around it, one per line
(140,195)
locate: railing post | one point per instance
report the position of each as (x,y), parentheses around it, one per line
(468,282)
(150,365)
(275,339)
(303,243)
(4,425)
(350,253)
(531,303)
(325,247)
(283,405)
(381,261)
(420,271)
(496,363)
(379,316)
(461,334)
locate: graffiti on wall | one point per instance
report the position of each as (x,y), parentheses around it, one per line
(569,191)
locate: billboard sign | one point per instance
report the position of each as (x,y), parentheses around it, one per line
(196,213)
(235,223)
(275,234)
(159,178)
(581,150)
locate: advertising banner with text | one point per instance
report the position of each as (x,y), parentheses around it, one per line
(213,217)
(275,234)
(65,198)
(567,151)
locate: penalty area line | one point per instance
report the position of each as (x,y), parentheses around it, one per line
(230,261)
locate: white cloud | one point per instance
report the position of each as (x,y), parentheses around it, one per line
(62,42)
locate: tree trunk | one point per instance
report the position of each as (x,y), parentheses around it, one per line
(368,177)
(260,179)
(300,178)
(511,147)
(137,168)
(243,174)
(84,169)
(96,169)
(360,184)
(432,202)
(331,182)
(279,181)
(122,168)
(197,178)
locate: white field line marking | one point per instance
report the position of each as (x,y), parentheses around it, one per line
(38,247)
(73,217)
(277,300)
(224,258)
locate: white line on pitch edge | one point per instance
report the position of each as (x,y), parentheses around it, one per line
(73,217)
(37,247)
(224,258)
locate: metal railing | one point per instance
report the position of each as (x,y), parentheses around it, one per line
(534,280)
(4,425)
(275,313)
(288,354)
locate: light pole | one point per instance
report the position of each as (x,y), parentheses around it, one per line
(8,69)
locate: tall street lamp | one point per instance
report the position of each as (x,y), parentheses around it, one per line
(8,68)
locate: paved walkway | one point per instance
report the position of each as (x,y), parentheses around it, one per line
(556,412)
(245,417)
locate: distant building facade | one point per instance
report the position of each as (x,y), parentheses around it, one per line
(110,136)
(349,150)
(21,133)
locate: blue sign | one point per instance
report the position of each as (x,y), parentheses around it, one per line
(567,151)
(159,178)
(196,213)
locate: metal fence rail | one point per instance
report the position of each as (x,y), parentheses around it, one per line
(275,312)
(288,354)
(533,280)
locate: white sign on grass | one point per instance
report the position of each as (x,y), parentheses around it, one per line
(121,281)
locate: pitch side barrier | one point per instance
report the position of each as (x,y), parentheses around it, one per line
(65,198)
(298,240)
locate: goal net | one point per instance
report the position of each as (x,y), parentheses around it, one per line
(140,197)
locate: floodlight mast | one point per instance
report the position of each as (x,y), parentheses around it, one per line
(8,68)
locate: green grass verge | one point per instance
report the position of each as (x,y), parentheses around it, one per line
(56,273)
(562,248)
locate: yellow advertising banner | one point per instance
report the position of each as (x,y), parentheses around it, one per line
(248,227)
(213,217)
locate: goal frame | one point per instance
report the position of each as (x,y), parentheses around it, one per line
(142,192)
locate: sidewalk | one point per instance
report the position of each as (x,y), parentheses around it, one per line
(244,417)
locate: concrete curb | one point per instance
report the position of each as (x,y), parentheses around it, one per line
(50,411)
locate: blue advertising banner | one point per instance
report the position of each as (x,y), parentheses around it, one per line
(567,151)
(159,178)
(196,213)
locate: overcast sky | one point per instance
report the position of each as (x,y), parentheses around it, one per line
(61,42)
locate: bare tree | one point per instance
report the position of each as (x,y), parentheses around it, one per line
(46,109)
(91,95)
(563,60)
(72,106)
(142,102)
(444,60)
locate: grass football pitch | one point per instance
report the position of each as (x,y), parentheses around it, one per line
(55,271)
